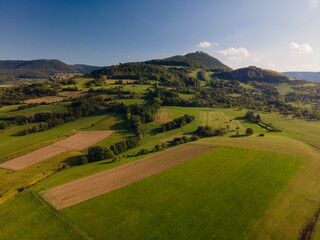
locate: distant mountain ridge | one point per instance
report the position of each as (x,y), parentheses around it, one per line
(196,60)
(310,76)
(11,70)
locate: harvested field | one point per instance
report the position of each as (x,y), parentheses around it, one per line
(89,187)
(48,99)
(76,142)
(71,94)
(162,116)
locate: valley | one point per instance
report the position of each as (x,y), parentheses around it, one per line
(158,150)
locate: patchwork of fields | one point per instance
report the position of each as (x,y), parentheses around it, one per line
(265,187)
(76,142)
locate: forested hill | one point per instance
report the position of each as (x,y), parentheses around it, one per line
(177,60)
(11,70)
(310,76)
(254,74)
(208,61)
(195,60)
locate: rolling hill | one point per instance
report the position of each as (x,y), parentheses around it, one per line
(196,60)
(310,76)
(254,74)
(12,70)
(208,61)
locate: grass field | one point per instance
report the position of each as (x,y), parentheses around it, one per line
(186,96)
(13,182)
(176,203)
(297,128)
(33,110)
(13,145)
(266,195)
(218,120)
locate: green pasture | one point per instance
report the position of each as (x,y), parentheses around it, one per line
(186,96)
(295,128)
(176,203)
(33,110)
(218,120)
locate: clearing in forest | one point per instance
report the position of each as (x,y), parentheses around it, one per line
(162,116)
(100,183)
(76,142)
(218,120)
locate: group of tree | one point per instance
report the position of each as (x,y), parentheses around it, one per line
(178,122)
(80,108)
(257,119)
(15,94)
(207,131)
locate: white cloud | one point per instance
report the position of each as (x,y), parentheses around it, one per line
(313,3)
(204,44)
(271,65)
(235,54)
(303,48)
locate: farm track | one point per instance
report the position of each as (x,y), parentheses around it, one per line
(100,183)
(76,142)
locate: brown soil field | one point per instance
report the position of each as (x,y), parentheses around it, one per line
(48,99)
(71,94)
(162,116)
(76,142)
(100,183)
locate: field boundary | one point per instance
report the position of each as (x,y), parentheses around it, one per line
(76,142)
(86,188)
(60,216)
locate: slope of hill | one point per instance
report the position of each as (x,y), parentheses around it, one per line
(206,60)
(12,70)
(196,60)
(310,76)
(254,74)
(177,60)
(82,68)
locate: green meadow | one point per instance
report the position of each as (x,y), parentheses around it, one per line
(178,202)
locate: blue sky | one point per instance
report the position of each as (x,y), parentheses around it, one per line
(276,34)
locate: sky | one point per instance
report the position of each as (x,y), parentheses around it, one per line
(283,35)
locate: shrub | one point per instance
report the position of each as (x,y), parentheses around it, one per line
(98,153)
(158,148)
(261,135)
(164,146)
(249,131)
(185,139)
(194,138)
(83,160)
(143,151)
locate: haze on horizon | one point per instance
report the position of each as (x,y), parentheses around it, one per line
(279,35)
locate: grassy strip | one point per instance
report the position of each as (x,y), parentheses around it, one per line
(60,216)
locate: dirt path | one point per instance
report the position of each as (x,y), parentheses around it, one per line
(100,183)
(76,142)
